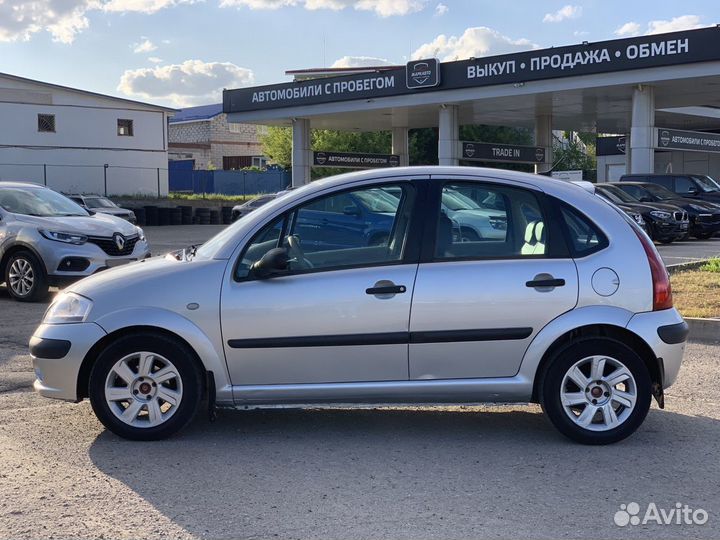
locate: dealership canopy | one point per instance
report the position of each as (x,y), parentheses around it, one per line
(639,87)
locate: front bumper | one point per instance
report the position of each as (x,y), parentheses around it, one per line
(669,229)
(56,373)
(706,223)
(55,254)
(655,327)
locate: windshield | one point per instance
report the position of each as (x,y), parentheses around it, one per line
(707,184)
(42,202)
(457,201)
(659,192)
(609,195)
(620,194)
(99,202)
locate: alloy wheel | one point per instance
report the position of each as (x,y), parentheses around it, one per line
(143,389)
(598,393)
(21,277)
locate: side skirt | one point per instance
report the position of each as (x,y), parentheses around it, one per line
(516,389)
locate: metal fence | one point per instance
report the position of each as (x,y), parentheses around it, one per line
(228,182)
(99,179)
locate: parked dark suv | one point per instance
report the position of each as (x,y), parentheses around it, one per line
(704,216)
(664,222)
(691,186)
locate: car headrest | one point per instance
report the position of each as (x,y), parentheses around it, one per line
(530,232)
(540,231)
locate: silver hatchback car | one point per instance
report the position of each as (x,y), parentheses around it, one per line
(47,239)
(299,304)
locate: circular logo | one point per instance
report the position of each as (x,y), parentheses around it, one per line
(320,158)
(469,150)
(540,154)
(394,161)
(664,138)
(627,515)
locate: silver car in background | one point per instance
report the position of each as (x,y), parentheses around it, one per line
(570,308)
(46,239)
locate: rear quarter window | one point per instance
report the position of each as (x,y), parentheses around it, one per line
(583,236)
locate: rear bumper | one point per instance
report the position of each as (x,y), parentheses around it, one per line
(58,351)
(666,333)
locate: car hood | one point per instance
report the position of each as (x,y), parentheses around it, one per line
(649,207)
(95,225)
(112,211)
(704,206)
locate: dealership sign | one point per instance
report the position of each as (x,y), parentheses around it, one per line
(675,139)
(422,73)
(355,161)
(611,146)
(478,151)
(641,52)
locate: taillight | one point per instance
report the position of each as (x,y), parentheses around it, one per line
(662,293)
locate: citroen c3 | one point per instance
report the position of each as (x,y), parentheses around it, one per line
(47,239)
(570,307)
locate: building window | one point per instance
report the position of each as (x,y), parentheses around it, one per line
(260,162)
(46,123)
(125,127)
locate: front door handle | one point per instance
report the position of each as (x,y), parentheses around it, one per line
(545,282)
(386,289)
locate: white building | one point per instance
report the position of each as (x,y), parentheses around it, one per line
(82,142)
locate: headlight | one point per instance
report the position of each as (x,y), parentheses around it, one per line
(66,237)
(638,218)
(68,308)
(660,214)
(141,234)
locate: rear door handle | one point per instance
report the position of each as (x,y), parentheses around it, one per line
(387,289)
(550,282)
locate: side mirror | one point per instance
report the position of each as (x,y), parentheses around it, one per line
(692,190)
(351,210)
(273,263)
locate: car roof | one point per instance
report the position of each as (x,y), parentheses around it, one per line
(20,184)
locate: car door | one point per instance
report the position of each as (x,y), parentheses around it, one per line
(478,304)
(337,315)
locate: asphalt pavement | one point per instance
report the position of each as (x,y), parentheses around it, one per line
(450,472)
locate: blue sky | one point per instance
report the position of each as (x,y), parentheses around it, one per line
(183,52)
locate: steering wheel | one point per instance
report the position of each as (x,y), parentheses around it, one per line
(297,255)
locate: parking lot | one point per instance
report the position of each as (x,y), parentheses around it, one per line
(454,472)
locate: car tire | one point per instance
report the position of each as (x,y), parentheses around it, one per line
(582,414)
(146,386)
(26,278)
(668,240)
(704,236)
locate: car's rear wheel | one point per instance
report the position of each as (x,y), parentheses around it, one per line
(596,391)
(145,386)
(704,236)
(25,277)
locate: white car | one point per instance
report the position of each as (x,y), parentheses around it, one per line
(571,309)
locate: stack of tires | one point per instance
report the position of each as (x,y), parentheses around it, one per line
(215,217)
(163,216)
(140,215)
(186,215)
(227,215)
(151,215)
(202,216)
(175,216)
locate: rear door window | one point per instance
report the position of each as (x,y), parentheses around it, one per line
(664,181)
(584,237)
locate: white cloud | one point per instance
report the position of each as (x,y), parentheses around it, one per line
(628,29)
(565,12)
(193,82)
(684,22)
(155,59)
(441,9)
(360,61)
(383,8)
(62,19)
(142,6)
(475,42)
(145,46)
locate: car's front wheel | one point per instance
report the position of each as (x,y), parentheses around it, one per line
(145,386)
(596,391)
(25,277)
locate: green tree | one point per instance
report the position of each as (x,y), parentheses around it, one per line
(575,155)
(277,145)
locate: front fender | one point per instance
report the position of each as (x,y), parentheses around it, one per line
(585,316)
(212,356)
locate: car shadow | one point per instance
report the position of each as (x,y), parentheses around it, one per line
(401,473)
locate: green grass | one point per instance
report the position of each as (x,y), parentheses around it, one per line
(209,197)
(713,265)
